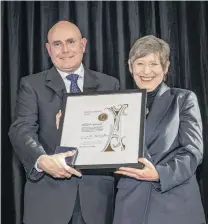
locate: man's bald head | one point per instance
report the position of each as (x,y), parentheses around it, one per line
(66,46)
(63,25)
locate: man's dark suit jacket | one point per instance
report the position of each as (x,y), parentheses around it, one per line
(33,133)
(174,144)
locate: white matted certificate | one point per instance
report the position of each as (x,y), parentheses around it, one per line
(107,128)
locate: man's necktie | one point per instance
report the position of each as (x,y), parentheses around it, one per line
(74,88)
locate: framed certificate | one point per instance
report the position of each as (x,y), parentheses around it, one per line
(106,128)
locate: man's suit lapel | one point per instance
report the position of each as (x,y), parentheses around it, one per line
(55,82)
(159,108)
(90,81)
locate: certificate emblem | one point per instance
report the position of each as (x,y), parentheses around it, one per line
(115,139)
(103,117)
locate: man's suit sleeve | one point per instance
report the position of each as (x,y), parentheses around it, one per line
(189,155)
(23,132)
(117,85)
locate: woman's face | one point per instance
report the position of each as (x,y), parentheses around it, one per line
(148,72)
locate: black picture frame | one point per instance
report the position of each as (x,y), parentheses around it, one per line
(142,126)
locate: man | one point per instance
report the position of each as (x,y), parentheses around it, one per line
(54,192)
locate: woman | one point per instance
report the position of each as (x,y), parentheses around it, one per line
(165,191)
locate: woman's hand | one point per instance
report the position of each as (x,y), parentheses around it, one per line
(58,117)
(148,173)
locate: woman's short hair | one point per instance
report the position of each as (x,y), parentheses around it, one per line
(147,45)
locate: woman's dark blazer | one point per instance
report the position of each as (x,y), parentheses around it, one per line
(174,144)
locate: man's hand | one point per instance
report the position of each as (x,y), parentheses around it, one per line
(148,173)
(56,166)
(58,117)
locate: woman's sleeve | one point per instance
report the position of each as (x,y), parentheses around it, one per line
(189,154)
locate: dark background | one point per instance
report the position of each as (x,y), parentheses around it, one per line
(111,29)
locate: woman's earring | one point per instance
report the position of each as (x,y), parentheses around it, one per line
(165,77)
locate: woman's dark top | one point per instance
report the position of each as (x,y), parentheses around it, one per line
(150,98)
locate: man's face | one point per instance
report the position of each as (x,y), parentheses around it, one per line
(148,72)
(66,47)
